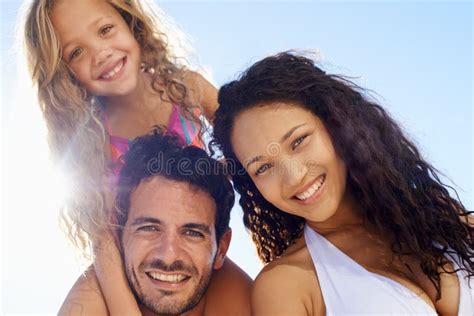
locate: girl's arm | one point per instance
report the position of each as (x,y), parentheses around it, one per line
(109,268)
(112,297)
(85,297)
(113,281)
(204,91)
(103,289)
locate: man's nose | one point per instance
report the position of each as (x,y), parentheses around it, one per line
(169,248)
(102,55)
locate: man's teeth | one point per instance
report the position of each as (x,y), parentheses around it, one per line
(114,71)
(174,278)
(315,187)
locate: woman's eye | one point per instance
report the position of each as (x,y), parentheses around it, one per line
(75,53)
(298,142)
(106,29)
(262,169)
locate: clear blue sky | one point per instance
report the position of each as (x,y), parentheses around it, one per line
(416,57)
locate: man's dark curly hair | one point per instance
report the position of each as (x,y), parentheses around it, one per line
(156,154)
(400,193)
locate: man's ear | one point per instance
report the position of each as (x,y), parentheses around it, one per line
(222,248)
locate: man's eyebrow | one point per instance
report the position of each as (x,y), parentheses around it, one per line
(97,21)
(202,227)
(284,138)
(145,220)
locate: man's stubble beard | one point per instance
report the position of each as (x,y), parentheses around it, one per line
(155,307)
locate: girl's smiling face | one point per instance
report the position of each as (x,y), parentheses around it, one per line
(290,157)
(98,46)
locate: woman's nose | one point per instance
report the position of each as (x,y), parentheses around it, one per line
(293,172)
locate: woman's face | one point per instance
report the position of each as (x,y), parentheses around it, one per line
(98,46)
(290,157)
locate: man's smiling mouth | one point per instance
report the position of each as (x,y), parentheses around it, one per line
(170,278)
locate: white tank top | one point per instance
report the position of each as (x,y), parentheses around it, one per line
(348,288)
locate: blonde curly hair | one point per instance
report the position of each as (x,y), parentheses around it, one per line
(76,133)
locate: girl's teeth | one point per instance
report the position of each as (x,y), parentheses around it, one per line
(114,71)
(312,189)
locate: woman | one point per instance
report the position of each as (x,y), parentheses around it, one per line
(342,207)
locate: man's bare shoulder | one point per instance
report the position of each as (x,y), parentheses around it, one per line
(85,297)
(229,293)
(288,286)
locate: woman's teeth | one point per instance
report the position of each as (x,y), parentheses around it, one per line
(173,278)
(114,71)
(312,189)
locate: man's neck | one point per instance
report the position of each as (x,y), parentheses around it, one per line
(197,310)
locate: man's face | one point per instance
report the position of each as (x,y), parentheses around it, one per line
(169,244)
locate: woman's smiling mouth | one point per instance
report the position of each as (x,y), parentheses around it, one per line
(313,192)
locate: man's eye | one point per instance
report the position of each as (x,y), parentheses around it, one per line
(263,168)
(148,228)
(75,53)
(298,142)
(106,29)
(193,233)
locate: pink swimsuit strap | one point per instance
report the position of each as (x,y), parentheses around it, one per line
(178,124)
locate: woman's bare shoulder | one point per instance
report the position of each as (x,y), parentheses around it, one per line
(288,285)
(85,297)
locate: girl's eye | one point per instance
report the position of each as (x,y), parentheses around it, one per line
(75,53)
(106,29)
(298,142)
(263,168)
(193,233)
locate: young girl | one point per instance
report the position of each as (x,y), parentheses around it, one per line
(105,74)
(347,214)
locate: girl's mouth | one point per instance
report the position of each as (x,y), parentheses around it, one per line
(114,73)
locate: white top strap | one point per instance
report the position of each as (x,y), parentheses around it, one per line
(349,288)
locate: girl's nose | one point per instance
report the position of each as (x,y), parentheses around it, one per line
(102,56)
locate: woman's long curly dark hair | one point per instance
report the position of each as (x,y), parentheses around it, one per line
(400,193)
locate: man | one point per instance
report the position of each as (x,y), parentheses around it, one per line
(173,211)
